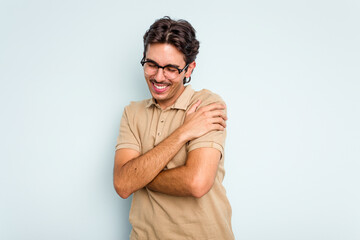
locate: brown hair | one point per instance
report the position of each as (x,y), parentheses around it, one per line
(178,33)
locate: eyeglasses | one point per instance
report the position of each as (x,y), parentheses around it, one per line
(170,71)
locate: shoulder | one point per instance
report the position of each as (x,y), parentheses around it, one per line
(136,107)
(206,96)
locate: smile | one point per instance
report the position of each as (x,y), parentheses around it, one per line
(160,88)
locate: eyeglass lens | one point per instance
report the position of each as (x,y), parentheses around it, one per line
(152,69)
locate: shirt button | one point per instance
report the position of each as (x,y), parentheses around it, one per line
(162,121)
(159,133)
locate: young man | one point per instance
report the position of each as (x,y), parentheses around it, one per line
(170,149)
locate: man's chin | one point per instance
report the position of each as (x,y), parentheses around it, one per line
(158,96)
(158,99)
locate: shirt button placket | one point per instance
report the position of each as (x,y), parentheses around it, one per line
(160,127)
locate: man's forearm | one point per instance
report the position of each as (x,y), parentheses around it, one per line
(194,179)
(141,170)
(177,182)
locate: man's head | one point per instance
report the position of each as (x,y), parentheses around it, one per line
(178,33)
(170,49)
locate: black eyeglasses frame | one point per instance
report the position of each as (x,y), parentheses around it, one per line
(143,61)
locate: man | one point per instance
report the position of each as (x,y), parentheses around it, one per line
(170,149)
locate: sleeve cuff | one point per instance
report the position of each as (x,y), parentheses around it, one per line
(206,144)
(127,145)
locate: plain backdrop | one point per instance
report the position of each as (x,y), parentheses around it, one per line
(288,71)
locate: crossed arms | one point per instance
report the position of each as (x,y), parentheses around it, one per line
(133,171)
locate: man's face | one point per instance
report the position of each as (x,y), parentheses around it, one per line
(165,90)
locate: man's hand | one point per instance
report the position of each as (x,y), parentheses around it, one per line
(203,120)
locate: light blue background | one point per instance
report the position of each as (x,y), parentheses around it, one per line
(288,70)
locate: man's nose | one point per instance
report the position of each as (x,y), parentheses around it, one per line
(159,76)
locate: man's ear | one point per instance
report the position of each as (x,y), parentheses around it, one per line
(190,69)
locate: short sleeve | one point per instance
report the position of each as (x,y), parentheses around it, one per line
(214,139)
(126,137)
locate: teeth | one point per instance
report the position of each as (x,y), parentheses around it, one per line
(159,87)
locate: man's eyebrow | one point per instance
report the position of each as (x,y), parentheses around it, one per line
(167,65)
(173,65)
(149,59)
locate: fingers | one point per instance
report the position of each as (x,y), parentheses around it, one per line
(215,114)
(218,113)
(218,127)
(206,118)
(194,107)
(219,121)
(213,106)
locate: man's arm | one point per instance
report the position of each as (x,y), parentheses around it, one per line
(194,179)
(133,171)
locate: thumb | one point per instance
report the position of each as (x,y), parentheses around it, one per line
(194,107)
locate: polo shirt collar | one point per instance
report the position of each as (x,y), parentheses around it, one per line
(184,100)
(151,102)
(181,103)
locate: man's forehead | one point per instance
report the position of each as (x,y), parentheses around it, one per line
(164,53)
